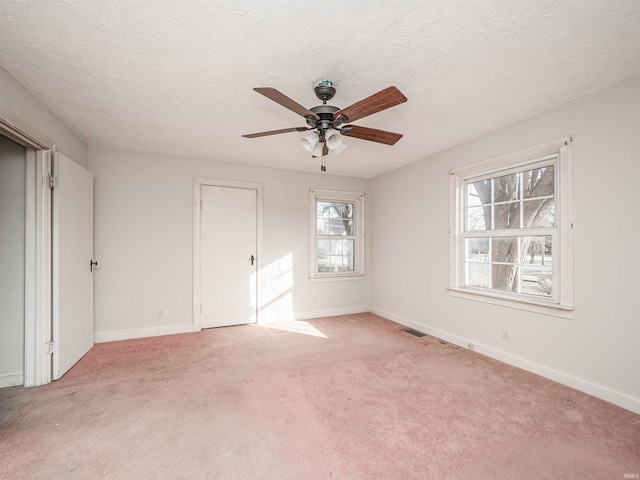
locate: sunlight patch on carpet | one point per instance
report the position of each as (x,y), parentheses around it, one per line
(299,326)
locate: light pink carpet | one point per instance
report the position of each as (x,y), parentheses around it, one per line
(369,401)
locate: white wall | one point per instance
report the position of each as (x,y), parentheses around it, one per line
(21,102)
(598,350)
(12,224)
(144,239)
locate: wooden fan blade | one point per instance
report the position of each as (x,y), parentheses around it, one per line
(282,99)
(275,132)
(372,134)
(387,98)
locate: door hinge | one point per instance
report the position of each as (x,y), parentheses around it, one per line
(53,182)
(49,348)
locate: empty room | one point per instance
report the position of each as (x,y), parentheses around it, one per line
(319,240)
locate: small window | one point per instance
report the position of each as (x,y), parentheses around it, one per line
(337,236)
(511,235)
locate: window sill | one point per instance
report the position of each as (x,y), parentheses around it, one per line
(542,308)
(337,278)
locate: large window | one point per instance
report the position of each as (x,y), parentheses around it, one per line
(511,235)
(337,237)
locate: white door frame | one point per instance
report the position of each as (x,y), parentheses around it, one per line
(198,183)
(37,301)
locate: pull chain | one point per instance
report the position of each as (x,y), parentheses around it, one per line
(323,168)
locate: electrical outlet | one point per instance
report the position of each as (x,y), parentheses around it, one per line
(505,334)
(471,346)
(160,313)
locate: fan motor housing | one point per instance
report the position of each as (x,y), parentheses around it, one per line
(324,92)
(325,112)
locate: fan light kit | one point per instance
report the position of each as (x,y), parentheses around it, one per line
(326,121)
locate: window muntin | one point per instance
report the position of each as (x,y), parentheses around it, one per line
(337,237)
(512,229)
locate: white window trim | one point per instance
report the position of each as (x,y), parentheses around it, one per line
(336,195)
(563,305)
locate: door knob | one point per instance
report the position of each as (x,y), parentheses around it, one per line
(91,264)
(252,259)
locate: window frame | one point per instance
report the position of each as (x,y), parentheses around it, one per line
(357,198)
(556,152)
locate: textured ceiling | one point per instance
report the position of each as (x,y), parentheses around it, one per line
(177,77)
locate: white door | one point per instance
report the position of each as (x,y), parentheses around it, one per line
(72,269)
(228,256)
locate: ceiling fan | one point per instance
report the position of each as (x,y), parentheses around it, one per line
(327,121)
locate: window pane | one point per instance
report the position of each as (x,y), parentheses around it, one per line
(348,264)
(536,281)
(322,226)
(334,218)
(324,247)
(479,218)
(324,258)
(479,193)
(336,247)
(539,213)
(538,182)
(322,221)
(478,274)
(478,249)
(336,263)
(506,215)
(349,250)
(505,189)
(349,246)
(504,249)
(538,251)
(503,277)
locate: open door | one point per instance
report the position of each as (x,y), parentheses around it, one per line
(72,264)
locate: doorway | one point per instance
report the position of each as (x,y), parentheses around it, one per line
(37,247)
(13,159)
(41,330)
(227,252)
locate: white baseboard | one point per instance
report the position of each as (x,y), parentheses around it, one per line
(332,312)
(113,335)
(11,379)
(615,397)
